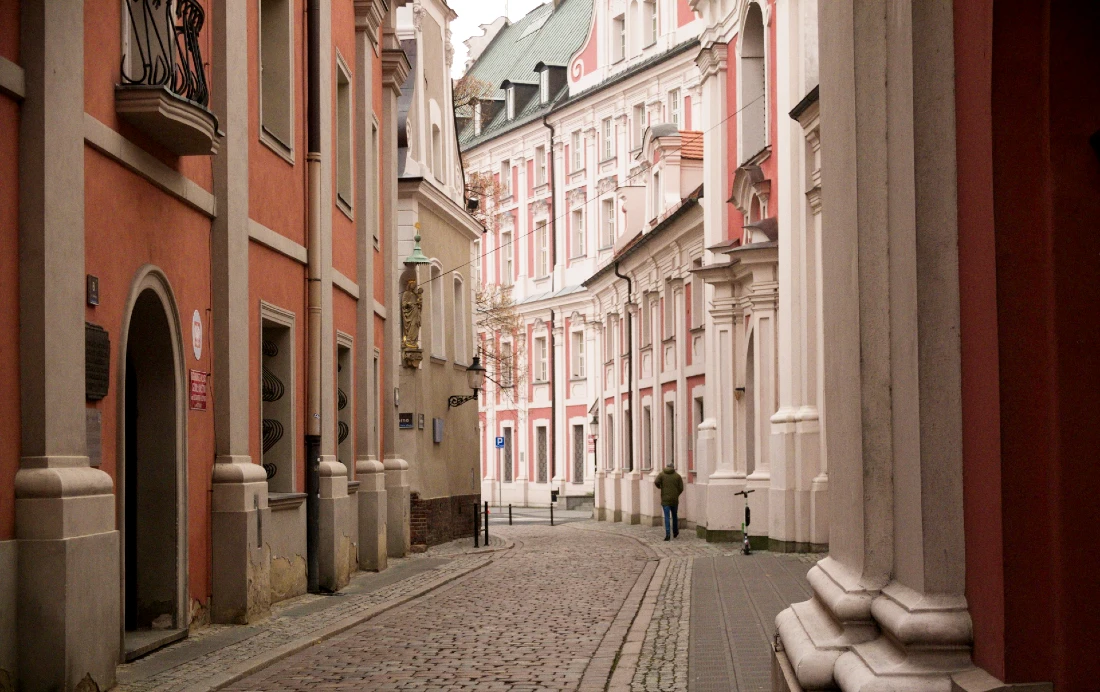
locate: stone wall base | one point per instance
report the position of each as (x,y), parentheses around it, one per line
(777,546)
(783,677)
(441,519)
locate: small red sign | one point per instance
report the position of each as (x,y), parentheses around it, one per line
(591,443)
(198,390)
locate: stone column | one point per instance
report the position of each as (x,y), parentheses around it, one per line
(888,610)
(333,545)
(395,69)
(371,498)
(241,570)
(560,368)
(68,547)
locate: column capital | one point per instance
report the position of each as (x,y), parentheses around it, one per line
(395,67)
(711,60)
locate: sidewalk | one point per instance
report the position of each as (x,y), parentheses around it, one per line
(218,655)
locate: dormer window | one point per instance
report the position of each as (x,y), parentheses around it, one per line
(649,21)
(657,194)
(544,86)
(510,103)
(618,38)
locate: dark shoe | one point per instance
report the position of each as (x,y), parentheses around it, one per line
(676,535)
(667,538)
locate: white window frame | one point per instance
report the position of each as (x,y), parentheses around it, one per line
(510,103)
(539,359)
(544,86)
(507,260)
(277,122)
(577,151)
(458,313)
(540,166)
(618,38)
(674,108)
(608,135)
(542,249)
(506,178)
(439,322)
(638,121)
(345,138)
(578,365)
(576,223)
(607,214)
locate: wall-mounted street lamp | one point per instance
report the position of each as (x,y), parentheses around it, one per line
(594,426)
(475,377)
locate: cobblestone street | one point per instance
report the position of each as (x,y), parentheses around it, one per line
(584,606)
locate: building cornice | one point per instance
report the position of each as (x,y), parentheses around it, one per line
(369,15)
(395,68)
(712,60)
(431,196)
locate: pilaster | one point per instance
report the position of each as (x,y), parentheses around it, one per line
(67,624)
(241,573)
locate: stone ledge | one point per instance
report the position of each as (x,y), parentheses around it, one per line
(181,126)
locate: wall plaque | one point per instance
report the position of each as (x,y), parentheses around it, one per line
(199,391)
(405,421)
(97,362)
(437,430)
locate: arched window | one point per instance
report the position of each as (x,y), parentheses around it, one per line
(437,153)
(753,80)
(439,349)
(459,315)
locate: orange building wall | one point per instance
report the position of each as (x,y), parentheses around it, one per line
(343,229)
(102,72)
(271,279)
(9,30)
(130,223)
(9,299)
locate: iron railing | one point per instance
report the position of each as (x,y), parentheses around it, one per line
(164,38)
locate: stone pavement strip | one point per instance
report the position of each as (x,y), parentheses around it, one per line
(587,606)
(218,655)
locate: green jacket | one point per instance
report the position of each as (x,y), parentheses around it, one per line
(671,485)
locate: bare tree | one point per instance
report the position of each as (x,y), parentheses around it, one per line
(503,339)
(487,190)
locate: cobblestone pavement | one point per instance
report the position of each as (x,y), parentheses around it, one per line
(202,660)
(533,620)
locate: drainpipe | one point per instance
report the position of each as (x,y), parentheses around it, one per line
(553,268)
(630,354)
(313,310)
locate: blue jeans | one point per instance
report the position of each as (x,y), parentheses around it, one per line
(670,516)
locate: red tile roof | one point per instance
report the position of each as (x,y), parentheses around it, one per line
(691,145)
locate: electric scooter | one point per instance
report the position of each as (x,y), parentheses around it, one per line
(746,549)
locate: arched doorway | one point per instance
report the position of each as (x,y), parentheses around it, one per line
(151,472)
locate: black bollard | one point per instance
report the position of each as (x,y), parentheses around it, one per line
(486,524)
(509,514)
(477,529)
(551,514)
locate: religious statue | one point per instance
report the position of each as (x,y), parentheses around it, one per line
(412,304)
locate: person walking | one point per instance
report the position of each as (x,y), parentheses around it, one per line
(671,485)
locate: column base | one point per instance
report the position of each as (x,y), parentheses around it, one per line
(241,560)
(398,537)
(373,512)
(334,549)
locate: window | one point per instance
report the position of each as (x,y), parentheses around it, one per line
(608,142)
(657,194)
(674,107)
(647,438)
(698,295)
(541,454)
(607,216)
(277,410)
(649,20)
(505,179)
(647,320)
(276,75)
(578,453)
(477,263)
(638,121)
(458,310)
(437,153)
(576,352)
(752,81)
(670,433)
(540,166)
(344,141)
(576,152)
(542,250)
(577,226)
(506,433)
(510,103)
(670,311)
(618,38)
(540,359)
(609,457)
(506,248)
(438,329)
(374,175)
(506,366)
(544,86)
(345,450)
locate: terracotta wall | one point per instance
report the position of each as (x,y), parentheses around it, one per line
(9,308)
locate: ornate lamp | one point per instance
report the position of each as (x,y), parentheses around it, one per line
(417,256)
(475,377)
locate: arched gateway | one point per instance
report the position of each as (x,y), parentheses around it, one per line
(151,468)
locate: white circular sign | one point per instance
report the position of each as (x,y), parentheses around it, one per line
(196,335)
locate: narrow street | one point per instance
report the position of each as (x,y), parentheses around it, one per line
(579,606)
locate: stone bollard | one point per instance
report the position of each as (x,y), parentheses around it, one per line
(397,504)
(373,554)
(333,545)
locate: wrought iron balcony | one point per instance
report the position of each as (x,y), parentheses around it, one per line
(164,91)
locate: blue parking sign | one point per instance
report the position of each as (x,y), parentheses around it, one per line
(500,443)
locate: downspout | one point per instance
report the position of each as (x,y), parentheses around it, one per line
(313,283)
(630,354)
(553,268)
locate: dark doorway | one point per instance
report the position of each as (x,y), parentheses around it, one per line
(149,480)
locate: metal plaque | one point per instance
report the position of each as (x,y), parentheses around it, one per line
(437,430)
(199,390)
(420,421)
(405,421)
(93,290)
(97,362)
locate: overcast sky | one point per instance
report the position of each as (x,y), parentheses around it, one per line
(472,13)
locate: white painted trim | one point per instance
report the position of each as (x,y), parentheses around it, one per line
(345,284)
(380,309)
(12,79)
(276,241)
(110,143)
